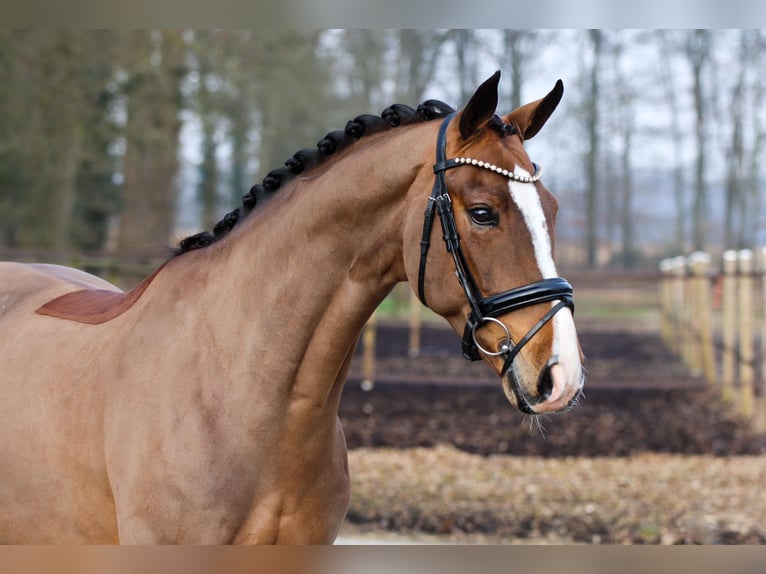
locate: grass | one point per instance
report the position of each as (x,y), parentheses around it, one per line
(605,302)
(618,304)
(649,498)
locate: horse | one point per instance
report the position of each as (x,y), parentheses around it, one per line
(201,406)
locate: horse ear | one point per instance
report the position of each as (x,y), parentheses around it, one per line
(480,107)
(529,118)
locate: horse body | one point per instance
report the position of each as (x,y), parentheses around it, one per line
(49,462)
(226,434)
(205,410)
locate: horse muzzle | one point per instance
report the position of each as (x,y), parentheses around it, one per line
(559,382)
(558,388)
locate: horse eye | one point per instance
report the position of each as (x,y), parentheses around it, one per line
(483,216)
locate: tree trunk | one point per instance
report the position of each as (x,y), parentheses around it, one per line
(698,51)
(591,160)
(96,194)
(292,95)
(625,89)
(206,44)
(520,50)
(41,132)
(151,157)
(466,62)
(758,137)
(628,234)
(676,139)
(419,52)
(735,203)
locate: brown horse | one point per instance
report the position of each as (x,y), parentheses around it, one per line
(201,407)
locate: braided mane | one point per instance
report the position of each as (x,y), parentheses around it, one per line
(306,159)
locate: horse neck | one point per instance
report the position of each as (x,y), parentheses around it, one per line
(290,288)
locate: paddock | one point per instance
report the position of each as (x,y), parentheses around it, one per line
(652,455)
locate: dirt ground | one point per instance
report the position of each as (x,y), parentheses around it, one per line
(650,455)
(441,494)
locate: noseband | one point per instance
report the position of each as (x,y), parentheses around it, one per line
(484,309)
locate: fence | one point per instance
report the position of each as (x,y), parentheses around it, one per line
(409,302)
(714,318)
(124,271)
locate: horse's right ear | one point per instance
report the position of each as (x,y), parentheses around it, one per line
(480,108)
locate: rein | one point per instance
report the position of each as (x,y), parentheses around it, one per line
(484,309)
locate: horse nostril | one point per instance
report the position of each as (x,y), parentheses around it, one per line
(545,383)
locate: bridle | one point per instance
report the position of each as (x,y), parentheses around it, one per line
(484,309)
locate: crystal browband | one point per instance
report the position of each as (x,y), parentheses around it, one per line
(504,172)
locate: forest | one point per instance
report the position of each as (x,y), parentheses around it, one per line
(117,141)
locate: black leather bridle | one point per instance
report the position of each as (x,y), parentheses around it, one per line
(484,309)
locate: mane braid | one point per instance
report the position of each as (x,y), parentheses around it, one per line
(306,159)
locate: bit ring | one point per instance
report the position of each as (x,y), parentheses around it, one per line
(505,347)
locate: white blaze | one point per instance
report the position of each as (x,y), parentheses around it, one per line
(528,201)
(564,335)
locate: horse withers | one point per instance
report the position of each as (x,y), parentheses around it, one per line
(201,406)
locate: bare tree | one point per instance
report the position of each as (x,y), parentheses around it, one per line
(668,47)
(292,93)
(56,134)
(96,200)
(736,201)
(208,60)
(625,123)
(698,49)
(592,121)
(42,132)
(238,110)
(418,55)
(366,51)
(520,48)
(156,70)
(754,170)
(465,55)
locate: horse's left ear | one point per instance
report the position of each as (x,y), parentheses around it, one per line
(529,118)
(480,108)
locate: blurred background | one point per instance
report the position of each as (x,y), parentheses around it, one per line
(121,141)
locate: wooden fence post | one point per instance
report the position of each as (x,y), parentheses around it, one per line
(677,266)
(368,354)
(747,356)
(691,308)
(415,308)
(703,330)
(679,297)
(729,327)
(666,304)
(690,345)
(760,406)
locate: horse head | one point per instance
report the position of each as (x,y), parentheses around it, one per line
(497,221)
